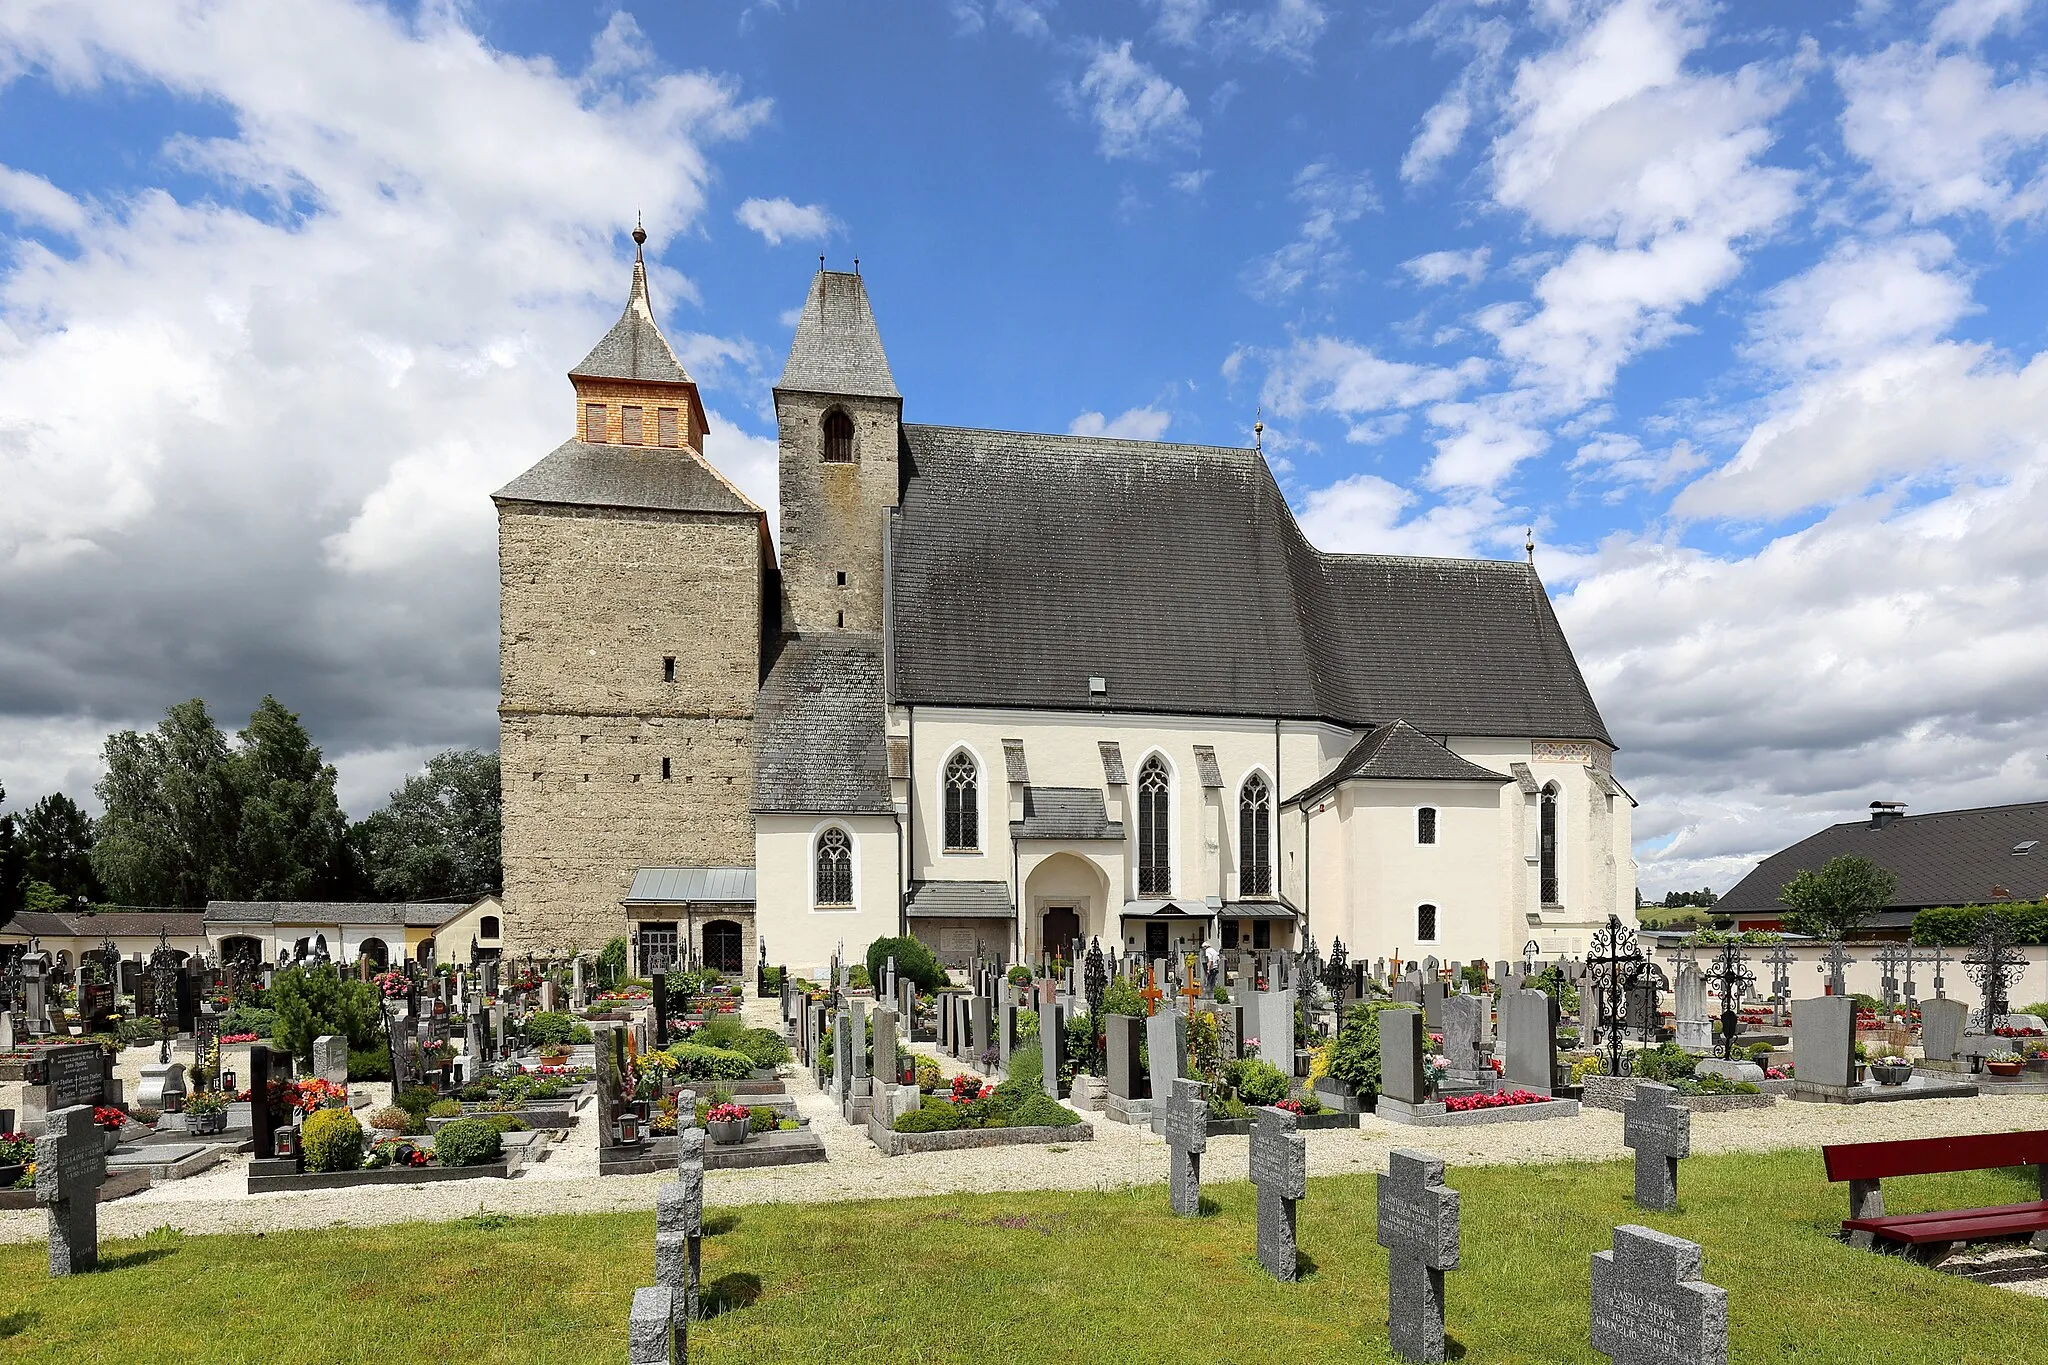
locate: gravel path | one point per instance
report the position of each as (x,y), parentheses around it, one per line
(1118,1157)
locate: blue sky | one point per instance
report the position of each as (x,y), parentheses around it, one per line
(1739,305)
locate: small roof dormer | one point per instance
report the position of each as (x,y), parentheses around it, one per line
(631,389)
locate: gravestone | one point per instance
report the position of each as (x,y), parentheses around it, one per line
(72,1074)
(1694,1031)
(268,1069)
(1650,1306)
(161,1080)
(1824,1040)
(71,1161)
(1052,1040)
(1280,1171)
(1461,1020)
(1941,1028)
(330,1058)
(1418,1225)
(980,1037)
(1275,1025)
(1186,1123)
(1404,1084)
(1166,1054)
(1528,1036)
(1433,997)
(579,988)
(656,1331)
(842,1058)
(679,1225)
(605,1052)
(857,1040)
(658,982)
(1660,1131)
(885,1049)
(1122,1037)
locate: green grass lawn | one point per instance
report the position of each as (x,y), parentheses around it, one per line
(1030,1277)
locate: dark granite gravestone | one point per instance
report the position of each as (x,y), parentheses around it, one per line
(656,1328)
(1186,1126)
(1280,1171)
(1650,1306)
(1660,1132)
(1824,1040)
(679,1226)
(71,1161)
(1401,1074)
(978,1027)
(1528,1036)
(268,1071)
(659,982)
(1125,1078)
(1052,1041)
(608,1054)
(75,1075)
(1418,1225)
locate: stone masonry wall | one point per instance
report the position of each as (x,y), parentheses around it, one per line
(833,514)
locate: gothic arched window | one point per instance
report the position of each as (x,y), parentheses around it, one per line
(838,438)
(1425,924)
(1425,825)
(835,868)
(1155,866)
(1546,846)
(963,804)
(1255,837)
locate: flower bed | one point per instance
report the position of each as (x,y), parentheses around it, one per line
(1500,1099)
(893,1143)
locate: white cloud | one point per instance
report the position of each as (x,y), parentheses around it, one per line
(1365,514)
(1333,199)
(1862,299)
(1327,374)
(1137,112)
(1288,29)
(330,351)
(1026,18)
(1441,267)
(1189,182)
(1941,134)
(1446,122)
(1132,424)
(778,220)
(1972,21)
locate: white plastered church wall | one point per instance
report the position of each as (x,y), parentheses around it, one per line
(801,935)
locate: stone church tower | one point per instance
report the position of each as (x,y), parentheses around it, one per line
(637,586)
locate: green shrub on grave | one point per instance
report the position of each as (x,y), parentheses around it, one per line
(1665,1063)
(416,1100)
(549,1028)
(914,962)
(930,1077)
(1012,1094)
(695,1062)
(468,1142)
(1355,1059)
(332,1140)
(370,1063)
(1039,1111)
(1121,997)
(760,1118)
(765,1046)
(1019,975)
(937,1116)
(1028,1060)
(445,1109)
(1258,1082)
(503,1123)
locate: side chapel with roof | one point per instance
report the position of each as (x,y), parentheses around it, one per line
(1004,691)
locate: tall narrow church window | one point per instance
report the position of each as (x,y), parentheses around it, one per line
(835,868)
(1155,865)
(665,426)
(1425,924)
(963,804)
(1255,837)
(593,422)
(1425,825)
(1546,845)
(630,429)
(838,438)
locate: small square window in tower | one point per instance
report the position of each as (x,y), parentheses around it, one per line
(668,668)
(665,426)
(593,422)
(630,429)
(664,770)
(838,438)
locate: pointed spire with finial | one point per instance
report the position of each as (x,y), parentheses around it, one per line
(634,348)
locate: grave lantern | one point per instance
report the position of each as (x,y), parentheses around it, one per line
(629,1127)
(284,1141)
(174,1102)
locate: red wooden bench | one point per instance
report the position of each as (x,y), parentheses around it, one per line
(1932,1235)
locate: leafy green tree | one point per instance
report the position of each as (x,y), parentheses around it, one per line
(291,839)
(1840,896)
(313,1001)
(13,868)
(57,838)
(914,962)
(169,830)
(439,836)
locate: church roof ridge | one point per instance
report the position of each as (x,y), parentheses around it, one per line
(634,348)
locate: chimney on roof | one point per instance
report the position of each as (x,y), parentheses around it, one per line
(1883,813)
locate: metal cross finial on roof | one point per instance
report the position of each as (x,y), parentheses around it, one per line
(856,265)
(1259,429)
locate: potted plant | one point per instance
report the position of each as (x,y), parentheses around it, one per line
(206,1111)
(109,1120)
(727,1124)
(17,1150)
(1889,1068)
(2003,1063)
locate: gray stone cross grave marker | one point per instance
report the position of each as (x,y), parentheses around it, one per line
(1280,1171)
(1418,1225)
(656,1332)
(1187,1136)
(1650,1306)
(679,1225)
(1836,966)
(71,1161)
(1660,1131)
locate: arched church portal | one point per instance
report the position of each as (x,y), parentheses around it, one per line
(1065,898)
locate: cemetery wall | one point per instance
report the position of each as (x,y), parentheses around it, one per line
(800,935)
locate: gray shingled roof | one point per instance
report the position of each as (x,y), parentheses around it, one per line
(1065,813)
(837,348)
(1026,563)
(1398,752)
(1955,857)
(724,885)
(1273,909)
(958,900)
(820,727)
(415,914)
(657,478)
(104,924)
(634,348)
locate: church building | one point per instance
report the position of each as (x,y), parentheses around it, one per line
(1002,691)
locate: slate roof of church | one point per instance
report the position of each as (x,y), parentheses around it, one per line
(837,348)
(1023,564)
(412,914)
(820,727)
(1398,752)
(959,900)
(634,348)
(652,478)
(1065,813)
(1951,857)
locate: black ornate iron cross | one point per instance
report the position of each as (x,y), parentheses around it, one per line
(1994,962)
(1732,979)
(1616,962)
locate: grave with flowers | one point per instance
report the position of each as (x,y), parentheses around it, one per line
(646,1097)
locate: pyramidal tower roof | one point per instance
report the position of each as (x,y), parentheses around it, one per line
(837,348)
(634,348)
